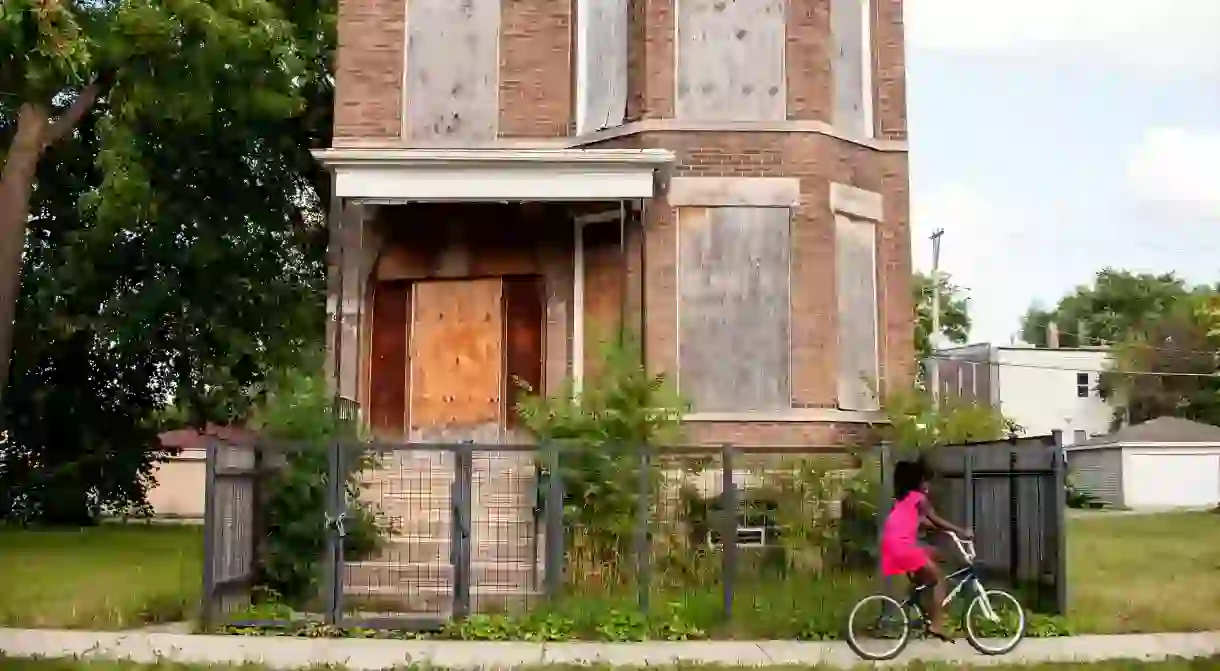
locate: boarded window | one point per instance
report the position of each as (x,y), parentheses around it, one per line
(524,314)
(734,308)
(453,66)
(851,23)
(388,368)
(856,287)
(604,290)
(601,56)
(731,60)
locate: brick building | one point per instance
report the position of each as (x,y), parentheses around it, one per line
(515,179)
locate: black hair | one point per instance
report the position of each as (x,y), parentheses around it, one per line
(910,476)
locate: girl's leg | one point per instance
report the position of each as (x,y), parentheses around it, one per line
(931,575)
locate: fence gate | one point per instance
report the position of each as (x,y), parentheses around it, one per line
(230,529)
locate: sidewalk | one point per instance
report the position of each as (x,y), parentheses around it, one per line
(376,655)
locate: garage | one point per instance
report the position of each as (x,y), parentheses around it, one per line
(1162,464)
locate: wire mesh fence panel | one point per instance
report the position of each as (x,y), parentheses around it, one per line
(506,556)
(797,574)
(410,573)
(687,528)
(606,493)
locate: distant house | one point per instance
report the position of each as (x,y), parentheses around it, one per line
(180,477)
(1041,389)
(1162,463)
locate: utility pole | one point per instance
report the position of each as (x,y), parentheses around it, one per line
(934,336)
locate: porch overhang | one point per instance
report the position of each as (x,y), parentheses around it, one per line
(390,176)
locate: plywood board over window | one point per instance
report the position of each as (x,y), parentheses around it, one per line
(734,308)
(850,24)
(601,54)
(389,368)
(856,288)
(453,67)
(730,60)
(524,316)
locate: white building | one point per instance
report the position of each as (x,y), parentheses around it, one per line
(1041,389)
(1161,464)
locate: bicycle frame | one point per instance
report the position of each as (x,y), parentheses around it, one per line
(960,579)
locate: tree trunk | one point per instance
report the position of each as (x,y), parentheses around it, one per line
(16,182)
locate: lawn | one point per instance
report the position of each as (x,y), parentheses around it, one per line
(107,577)
(13,664)
(1144,573)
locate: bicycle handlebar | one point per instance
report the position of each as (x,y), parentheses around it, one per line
(964,546)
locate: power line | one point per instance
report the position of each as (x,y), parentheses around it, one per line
(1150,373)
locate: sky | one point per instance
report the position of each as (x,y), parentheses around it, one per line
(1053,138)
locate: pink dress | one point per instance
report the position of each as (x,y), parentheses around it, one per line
(900,550)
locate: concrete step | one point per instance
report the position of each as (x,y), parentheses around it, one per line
(437,600)
(483,548)
(418,575)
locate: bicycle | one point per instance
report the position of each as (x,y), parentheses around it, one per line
(897,621)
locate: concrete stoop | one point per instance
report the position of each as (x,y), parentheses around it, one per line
(412,573)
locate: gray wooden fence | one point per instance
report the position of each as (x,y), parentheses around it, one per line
(231,528)
(1012,494)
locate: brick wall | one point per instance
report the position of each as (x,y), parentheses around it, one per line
(536,59)
(536,81)
(369,69)
(817,160)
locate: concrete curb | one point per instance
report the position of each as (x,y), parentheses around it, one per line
(376,655)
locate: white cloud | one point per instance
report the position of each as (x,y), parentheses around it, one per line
(1145,35)
(1178,167)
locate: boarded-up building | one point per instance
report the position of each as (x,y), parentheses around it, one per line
(516,180)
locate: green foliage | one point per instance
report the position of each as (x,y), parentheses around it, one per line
(858,523)
(1079,496)
(954,313)
(172,175)
(1183,340)
(299,415)
(917,424)
(600,432)
(1117,303)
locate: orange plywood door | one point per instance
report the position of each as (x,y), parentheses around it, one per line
(457,361)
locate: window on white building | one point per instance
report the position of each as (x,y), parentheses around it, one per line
(1082,385)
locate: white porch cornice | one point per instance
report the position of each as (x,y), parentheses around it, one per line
(397,175)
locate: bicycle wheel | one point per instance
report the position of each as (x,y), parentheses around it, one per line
(996,636)
(877,628)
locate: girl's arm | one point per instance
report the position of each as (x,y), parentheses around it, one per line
(925,508)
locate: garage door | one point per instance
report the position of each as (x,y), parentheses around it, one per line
(1172,480)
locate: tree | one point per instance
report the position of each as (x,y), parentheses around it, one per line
(1116,304)
(954,313)
(1170,365)
(188,278)
(135,63)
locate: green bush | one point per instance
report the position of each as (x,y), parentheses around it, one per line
(1079,496)
(600,432)
(300,427)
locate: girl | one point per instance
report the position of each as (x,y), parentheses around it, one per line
(901,552)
